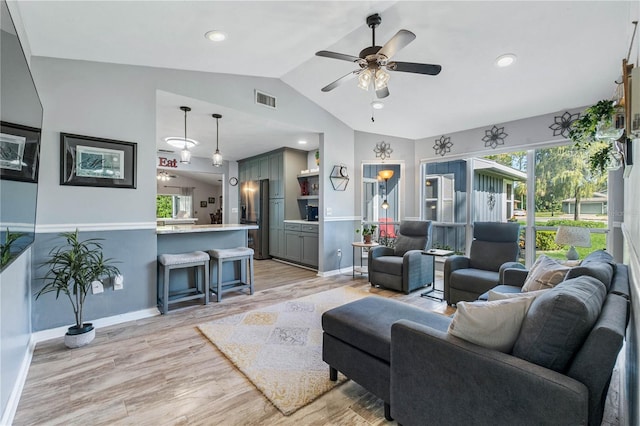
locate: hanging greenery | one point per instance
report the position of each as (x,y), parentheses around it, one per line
(583,132)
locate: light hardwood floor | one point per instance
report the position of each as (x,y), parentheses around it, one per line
(163,371)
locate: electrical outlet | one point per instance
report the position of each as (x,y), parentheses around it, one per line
(97,287)
(118,282)
(329,211)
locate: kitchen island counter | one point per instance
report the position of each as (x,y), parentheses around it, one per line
(183,229)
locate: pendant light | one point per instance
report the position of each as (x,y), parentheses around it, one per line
(217,157)
(185,154)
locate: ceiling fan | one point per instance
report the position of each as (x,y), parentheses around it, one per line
(373,59)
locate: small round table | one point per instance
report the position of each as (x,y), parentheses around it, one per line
(359,244)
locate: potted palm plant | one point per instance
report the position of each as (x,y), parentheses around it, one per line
(73,267)
(367,232)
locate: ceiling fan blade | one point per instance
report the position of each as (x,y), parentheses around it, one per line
(397,42)
(334,55)
(382,93)
(339,81)
(414,68)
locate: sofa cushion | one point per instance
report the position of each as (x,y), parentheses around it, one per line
(502,288)
(496,294)
(600,270)
(599,256)
(494,325)
(366,323)
(558,321)
(545,273)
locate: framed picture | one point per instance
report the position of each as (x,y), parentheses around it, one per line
(212,200)
(19,152)
(89,161)
(203,204)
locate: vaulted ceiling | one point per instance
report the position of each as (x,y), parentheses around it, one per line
(568,53)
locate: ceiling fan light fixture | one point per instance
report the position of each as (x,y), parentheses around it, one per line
(364,80)
(505,60)
(216,35)
(377,104)
(381,80)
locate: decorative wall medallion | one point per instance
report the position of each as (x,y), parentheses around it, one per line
(443,145)
(494,137)
(383,150)
(491,199)
(562,124)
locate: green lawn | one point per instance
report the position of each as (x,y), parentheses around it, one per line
(598,241)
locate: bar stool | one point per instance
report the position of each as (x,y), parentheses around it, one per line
(169,262)
(244,255)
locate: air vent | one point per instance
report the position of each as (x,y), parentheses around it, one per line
(265,99)
(167,151)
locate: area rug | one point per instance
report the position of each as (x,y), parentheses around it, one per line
(279,348)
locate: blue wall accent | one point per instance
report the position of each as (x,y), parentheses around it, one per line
(15,323)
(135,249)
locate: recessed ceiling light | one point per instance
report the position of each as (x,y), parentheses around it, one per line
(302,142)
(377,104)
(505,60)
(216,35)
(179,142)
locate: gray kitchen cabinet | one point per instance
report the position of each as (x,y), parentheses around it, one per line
(276,227)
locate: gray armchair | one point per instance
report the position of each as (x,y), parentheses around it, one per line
(494,248)
(404,267)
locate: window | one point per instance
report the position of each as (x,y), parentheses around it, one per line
(565,191)
(174,206)
(439,197)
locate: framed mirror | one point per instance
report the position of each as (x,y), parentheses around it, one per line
(21,116)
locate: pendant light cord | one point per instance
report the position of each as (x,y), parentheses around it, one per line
(217,134)
(185,129)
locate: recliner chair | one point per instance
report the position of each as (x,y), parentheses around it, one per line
(494,248)
(404,267)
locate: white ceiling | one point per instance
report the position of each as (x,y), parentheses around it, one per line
(569,54)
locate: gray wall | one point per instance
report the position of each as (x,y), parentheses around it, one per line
(138,266)
(403,151)
(119,102)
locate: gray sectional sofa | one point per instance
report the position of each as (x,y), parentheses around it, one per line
(557,373)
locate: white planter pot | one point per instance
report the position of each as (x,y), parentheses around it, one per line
(76,339)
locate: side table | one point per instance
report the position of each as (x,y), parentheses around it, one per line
(360,245)
(435,293)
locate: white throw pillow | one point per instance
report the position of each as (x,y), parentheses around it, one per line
(545,273)
(493,325)
(495,295)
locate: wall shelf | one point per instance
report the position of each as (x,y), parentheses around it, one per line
(308,197)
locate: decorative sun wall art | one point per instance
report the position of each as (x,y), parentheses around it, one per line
(494,137)
(383,150)
(562,123)
(443,145)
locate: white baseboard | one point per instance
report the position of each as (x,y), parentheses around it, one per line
(341,271)
(16,392)
(52,333)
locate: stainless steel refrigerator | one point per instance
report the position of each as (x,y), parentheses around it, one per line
(254,209)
